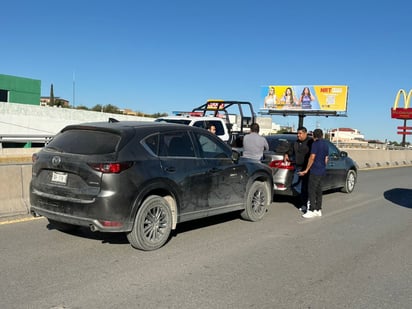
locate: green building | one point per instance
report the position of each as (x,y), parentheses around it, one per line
(22,90)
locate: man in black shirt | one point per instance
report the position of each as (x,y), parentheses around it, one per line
(300,152)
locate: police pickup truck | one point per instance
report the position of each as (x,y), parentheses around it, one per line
(232,119)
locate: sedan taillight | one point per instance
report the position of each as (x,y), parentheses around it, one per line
(281,164)
(111,168)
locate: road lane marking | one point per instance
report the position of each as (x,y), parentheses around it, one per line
(25,219)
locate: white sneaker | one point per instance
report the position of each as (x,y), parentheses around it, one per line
(309,214)
(318,213)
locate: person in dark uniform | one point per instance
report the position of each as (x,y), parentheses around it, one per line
(300,152)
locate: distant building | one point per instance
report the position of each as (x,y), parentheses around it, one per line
(347,135)
(267,127)
(45,101)
(21,90)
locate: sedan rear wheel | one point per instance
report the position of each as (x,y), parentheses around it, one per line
(152,225)
(257,201)
(350,182)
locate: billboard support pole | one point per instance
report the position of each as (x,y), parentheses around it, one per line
(300,124)
(404,135)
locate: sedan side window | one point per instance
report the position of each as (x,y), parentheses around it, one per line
(333,151)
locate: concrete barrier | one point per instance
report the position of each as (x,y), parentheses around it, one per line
(379,158)
(15,177)
(14,190)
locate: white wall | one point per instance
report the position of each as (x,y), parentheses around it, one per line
(32,119)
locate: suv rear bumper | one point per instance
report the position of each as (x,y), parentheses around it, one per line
(94,224)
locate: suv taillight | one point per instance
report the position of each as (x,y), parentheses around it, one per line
(111,168)
(281,164)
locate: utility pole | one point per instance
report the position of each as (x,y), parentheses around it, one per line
(74,102)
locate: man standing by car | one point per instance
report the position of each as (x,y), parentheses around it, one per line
(318,160)
(254,144)
(300,150)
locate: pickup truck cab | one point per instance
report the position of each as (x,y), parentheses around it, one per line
(201,122)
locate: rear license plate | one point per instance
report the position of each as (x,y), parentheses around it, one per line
(59,177)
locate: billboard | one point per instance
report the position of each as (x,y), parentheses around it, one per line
(328,98)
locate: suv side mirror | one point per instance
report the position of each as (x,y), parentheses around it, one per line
(343,154)
(235,156)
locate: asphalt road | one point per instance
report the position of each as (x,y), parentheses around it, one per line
(358,255)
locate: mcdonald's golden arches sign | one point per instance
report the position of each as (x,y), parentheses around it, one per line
(402,112)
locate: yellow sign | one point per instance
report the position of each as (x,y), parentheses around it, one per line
(406,98)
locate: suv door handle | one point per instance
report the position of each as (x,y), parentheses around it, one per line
(170,169)
(214,170)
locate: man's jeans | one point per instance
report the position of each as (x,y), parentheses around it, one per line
(300,185)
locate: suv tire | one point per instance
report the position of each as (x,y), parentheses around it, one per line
(152,225)
(257,201)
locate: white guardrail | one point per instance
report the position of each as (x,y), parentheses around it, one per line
(24,139)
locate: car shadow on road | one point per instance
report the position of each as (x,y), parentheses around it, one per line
(204,222)
(285,199)
(295,201)
(84,232)
(399,196)
(121,238)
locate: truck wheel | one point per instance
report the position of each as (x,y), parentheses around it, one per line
(152,225)
(257,202)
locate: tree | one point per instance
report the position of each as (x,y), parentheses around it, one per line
(97,108)
(82,107)
(59,102)
(109,108)
(156,115)
(51,103)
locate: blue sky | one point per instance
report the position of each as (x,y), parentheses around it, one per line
(161,56)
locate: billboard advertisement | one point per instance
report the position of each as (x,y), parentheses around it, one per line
(328,98)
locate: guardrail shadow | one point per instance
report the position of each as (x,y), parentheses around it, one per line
(399,196)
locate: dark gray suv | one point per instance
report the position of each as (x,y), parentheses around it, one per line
(143,178)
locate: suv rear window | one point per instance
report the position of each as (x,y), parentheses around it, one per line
(85,142)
